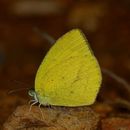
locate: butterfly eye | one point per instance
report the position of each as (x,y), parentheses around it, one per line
(31,93)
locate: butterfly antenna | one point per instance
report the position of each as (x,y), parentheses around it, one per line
(45,35)
(17,90)
(20,83)
(117,78)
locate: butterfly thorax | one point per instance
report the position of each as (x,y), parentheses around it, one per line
(44,100)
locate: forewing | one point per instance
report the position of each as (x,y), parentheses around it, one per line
(69,75)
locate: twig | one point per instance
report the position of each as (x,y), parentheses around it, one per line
(119,79)
(45,35)
(122,103)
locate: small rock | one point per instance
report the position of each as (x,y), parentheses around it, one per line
(116,123)
(54,118)
(103,109)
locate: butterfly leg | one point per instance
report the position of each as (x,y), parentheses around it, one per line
(31,101)
(49,108)
(32,105)
(41,110)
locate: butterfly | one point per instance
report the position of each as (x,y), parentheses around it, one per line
(69,75)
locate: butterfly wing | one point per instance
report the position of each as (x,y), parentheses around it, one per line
(69,74)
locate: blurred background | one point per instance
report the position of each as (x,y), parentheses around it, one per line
(106,24)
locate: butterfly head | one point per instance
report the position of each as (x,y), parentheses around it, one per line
(44,100)
(33,94)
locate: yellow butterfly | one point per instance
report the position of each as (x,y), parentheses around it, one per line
(69,75)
